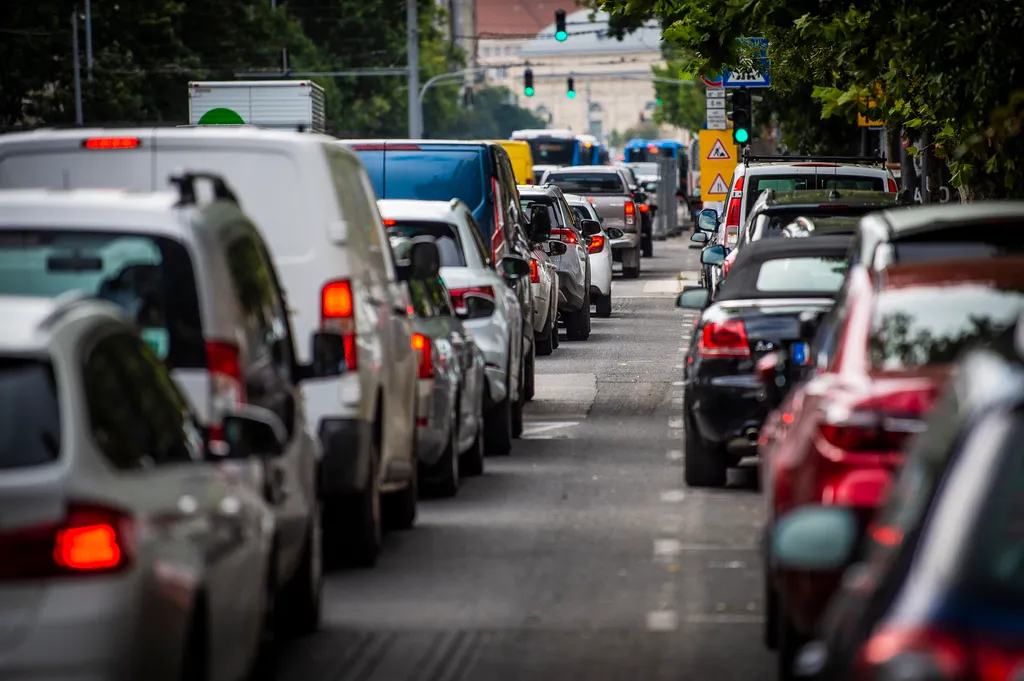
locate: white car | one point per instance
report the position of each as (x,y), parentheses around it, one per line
(488,307)
(790,173)
(316,209)
(600,254)
(126,553)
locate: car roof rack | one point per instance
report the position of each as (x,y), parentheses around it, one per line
(869,160)
(186,184)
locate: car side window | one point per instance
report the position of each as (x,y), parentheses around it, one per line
(507,181)
(478,241)
(115,420)
(354,194)
(422,298)
(444,300)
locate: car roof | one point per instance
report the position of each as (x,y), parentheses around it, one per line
(538,189)
(1001,272)
(818,197)
(589,169)
(742,279)
(387,142)
(25,321)
(575,198)
(408,209)
(243,132)
(89,209)
(916,219)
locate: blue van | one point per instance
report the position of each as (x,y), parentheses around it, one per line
(478,173)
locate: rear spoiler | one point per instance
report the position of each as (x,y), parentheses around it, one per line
(868,160)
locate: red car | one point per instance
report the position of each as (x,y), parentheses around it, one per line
(836,439)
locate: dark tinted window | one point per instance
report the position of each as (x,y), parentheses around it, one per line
(446,237)
(548,151)
(588,183)
(825,180)
(150,277)
(29,413)
(435,175)
(115,417)
(527,205)
(932,324)
(802,274)
(827,221)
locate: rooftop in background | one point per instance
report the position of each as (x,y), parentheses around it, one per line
(516,17)
(586,37)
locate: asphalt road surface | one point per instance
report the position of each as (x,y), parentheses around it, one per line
(581,556)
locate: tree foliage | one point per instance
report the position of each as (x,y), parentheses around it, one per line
(945,68)
(494,115)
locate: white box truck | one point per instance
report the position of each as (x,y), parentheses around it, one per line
(276,104)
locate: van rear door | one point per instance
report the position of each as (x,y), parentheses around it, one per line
(109,159)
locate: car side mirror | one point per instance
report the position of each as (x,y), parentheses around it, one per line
(590,227)
(693,298)
(614,233)
(514,267)
(540,224)
(557,248)
(700,237)
(815,539)
(714,255)
(707,220)
(252,431)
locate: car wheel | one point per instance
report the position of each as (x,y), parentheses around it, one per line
(498,428)
(789,643)
(400,506)
(357,521)
(194,660)
(471,463)
(543,345)
(771,616)
(604,306)
(647,248)
(554,335)
(300,599)
(531,378)
(702,467)
(442,479)
(517,406)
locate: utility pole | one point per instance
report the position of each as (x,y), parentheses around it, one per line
(88,39)
(79,119)
(413,46)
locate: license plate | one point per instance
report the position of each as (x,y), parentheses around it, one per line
(801,353)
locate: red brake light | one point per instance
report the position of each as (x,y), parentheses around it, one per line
(630,208)
(367,147)
(227,386)
(644,208)
(892,186)
(529,180)
(422,345)
(596,244)
(879,424)
(630,213)
(947,653)
(724,339)
(337,314)
(534,272)
(90,539)
(111,143)
(458,296)
(567,234)
(388,222)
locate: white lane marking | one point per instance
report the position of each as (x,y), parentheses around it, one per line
(679,366)
(663,286)
(677,383)
(675,423)
(534,430)
(574,389)
(677,401)
(662,620)
(667,548)
(675,455)
(673,496)
(724,619)
(727,565)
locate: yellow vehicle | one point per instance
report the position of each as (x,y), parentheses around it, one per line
(522,159)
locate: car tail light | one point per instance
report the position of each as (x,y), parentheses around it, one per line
(498,237)
(644,208)
(458,296)
(388,222)
(732,218)
(630,213)
(727,263)
(529,180)
(423,346)
(338,315)
(724,339)
(111,143)
(892,186)
(227,386)
(596,244)
(534,272)
(881,424)
(924,652)
(90,539)
(566,235)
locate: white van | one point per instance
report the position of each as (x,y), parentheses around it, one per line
(314,204)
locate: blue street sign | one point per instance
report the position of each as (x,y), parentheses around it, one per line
(757,77)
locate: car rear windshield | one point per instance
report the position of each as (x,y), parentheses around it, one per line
(588,183)
(548,151)
(823,180)
(975,240)
(445,235)
(151,277)
(29,413)
(809,274)
(927,325)
(830,221)
(435,175)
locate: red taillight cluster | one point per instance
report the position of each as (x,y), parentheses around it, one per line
(337,315)
(111,143)
(644,208)
(498,236)
(566,235)
(892,186)
(425,348)
(90,539)
(724,339)
(629,213)
(881,424)
(458,296)
(732,217)
(227,385)
(951,656)
(534,272)
(596,244)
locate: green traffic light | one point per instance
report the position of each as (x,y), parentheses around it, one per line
(571,94)
(658,101)
(529,92)
(741,135)
(560,36)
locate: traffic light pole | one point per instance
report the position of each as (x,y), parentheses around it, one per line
(413,48)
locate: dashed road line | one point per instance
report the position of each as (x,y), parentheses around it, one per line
(675,455)
(673,496)
(662,620)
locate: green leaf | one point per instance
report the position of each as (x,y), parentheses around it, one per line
(913,123)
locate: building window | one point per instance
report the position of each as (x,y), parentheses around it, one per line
(508,50)
(487,52)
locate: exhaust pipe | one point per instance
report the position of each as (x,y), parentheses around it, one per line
(745,445)
(752,436)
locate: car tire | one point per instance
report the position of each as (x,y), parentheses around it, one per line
(358,519)
(471,462)
(517,406)
(789,643)
(647,247)
(701,466)
(544,345)
(195,661)
(604,306)
(771,616)
(300,599)
(577,326)
(400,507)
(498,428)
(444,476)
(554,335)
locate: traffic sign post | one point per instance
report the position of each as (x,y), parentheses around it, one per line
(716,164)
(754,74)
(715,109)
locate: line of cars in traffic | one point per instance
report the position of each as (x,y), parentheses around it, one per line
(232,356)
(834,352)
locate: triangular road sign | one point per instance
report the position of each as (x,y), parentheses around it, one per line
(718,152)
(719,186)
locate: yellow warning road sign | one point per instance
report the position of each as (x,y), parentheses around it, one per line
(717,165)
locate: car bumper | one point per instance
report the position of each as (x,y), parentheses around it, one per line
(570,292)
(434,410)
(493,341)
(729,411)
(601,272)
(343,468)
(627,242)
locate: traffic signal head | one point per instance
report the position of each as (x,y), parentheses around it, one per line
(528,83)
(570,90)
(741,115)
(560,32)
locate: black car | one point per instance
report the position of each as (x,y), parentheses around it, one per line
(777,291)
(939,592)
